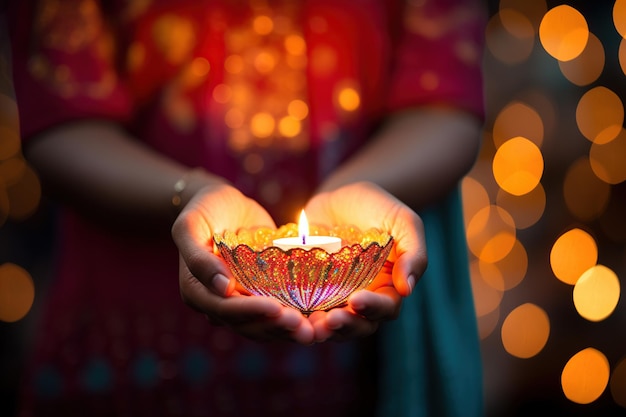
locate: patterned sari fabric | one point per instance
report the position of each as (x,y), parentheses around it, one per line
(271,95)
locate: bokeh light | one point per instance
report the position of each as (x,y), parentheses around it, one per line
(488,323)
(515,42)
(262,124)
(586,67)
(608,160)
(512,268)
(518,119)
(532,10)
(298,109)
(24,195)
(475,197)
(525,209)
(619,16)
(17,292)
(518,166)
(621,54)
(525,331)
(486,294)
(585,376)
(491,233)
(600,115)
(563,32)
(263,25)
(617,383)
(596,293)
(348,99)
(574,252)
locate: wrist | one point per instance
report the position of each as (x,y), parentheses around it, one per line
(189,184)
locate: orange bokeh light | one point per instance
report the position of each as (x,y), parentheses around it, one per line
(263,25)
(586,67)
(295,44)
(262,125)
(505,43)
(298,109)
(518,119)
(486,296)
(596,293)
(518,166)
(585,376)
(574,252)
(607,160)
(491,233)
(348,99)
(526,209)
(563,32)
(525,331)
(600,115)
(17,292)
(532,10)
(619,17)
(512,267)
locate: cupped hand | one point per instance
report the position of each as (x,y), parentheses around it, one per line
(204,279)
(365,206)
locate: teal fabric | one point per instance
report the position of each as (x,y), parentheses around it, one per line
(430,356)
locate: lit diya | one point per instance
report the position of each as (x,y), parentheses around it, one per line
(309,269)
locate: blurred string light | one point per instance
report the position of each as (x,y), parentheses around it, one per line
(512,161)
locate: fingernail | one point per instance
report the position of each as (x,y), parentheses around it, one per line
(411,282)
(220,284)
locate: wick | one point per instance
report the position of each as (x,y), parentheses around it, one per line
(304,239)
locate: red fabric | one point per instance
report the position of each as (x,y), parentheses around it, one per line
(115,338)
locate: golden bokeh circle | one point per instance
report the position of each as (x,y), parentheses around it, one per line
(563,32)
(574,252)
(596,293)
(525,331)
(585,376)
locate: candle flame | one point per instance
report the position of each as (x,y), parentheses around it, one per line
(303,227)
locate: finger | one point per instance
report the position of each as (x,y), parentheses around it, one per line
(195,246)
(346,325)
(289,325)
(410,252)
(384,304)
(213,279)
(237,310)
(321,331)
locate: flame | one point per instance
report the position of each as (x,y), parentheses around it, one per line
(303,227)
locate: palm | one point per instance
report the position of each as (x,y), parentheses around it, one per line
(367,206)
(205,281)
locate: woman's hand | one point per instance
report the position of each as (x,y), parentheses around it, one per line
(205,281)
(366,205)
